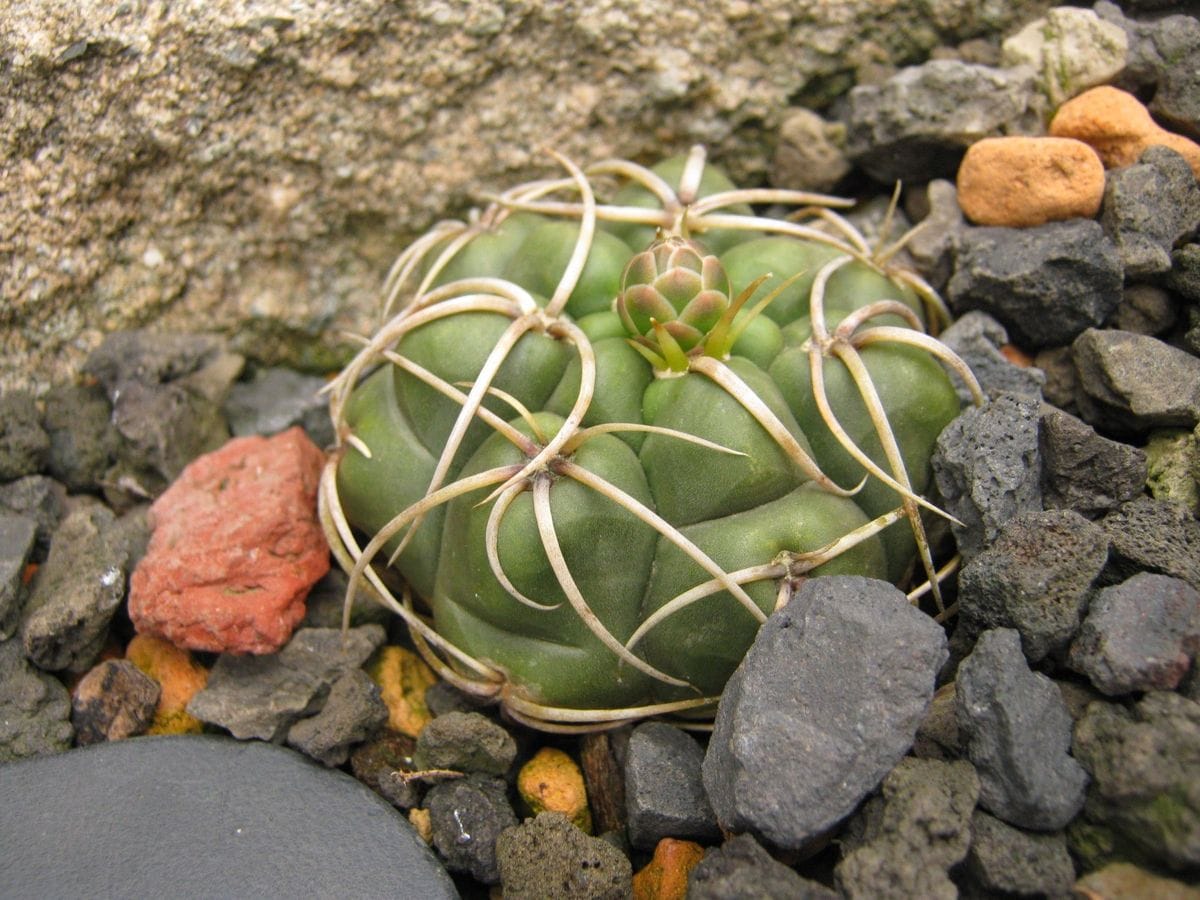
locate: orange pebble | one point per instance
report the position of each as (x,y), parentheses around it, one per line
(403,678)
(180,677)
(1118,127)
(1018,182)
(552,782)
(665,877)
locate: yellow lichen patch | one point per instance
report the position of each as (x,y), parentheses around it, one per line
(665,877)
(180,677)
(403,678)
(552,782)
(421,820)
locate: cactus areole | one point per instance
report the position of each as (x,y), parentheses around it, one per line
(608,426)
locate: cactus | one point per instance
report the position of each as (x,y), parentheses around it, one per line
(602,441)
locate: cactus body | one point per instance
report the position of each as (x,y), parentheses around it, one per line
(602,466)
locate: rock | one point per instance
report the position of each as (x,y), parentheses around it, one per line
(1140,635)
(132,205)
(40,498)
(352,712)
(1171,459)
(1083,471)
(931,244)
(465,742)
(1184,277)
(978,339)
(548,857)
(1005,861)
(1148,535)
(1124,378)
(917,124)
(922,831)
(35,709)
(236,546)
(665,877)
(1123,879)
(986,465)
(83,442)
(809,154)
(24,445)
(552,782)
(601,756)
(178,675)
(742,870)
(259,697)
(1150,207)
(325,604)
(114,701)
(1071,50)
(1059,389)
(1017,182)
(403,678)
(76,592)
(382,764)
(276,399)
(223,819)
(1045,284)
(1174,100)
(16,544)
(1018,734)
(1036,577)
(467,816)
(1144,309)
(1143,762)
(938,737)
(825,703)
(664,791)
(166,392)
(1118,127)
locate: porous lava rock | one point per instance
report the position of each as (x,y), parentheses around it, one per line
(235,549)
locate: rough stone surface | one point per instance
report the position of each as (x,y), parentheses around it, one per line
(259,697)
(1004,860)
(1045,284)
(809,154)
(16,544)
(977,338)
(1084,471)
(986,466)
(1131,382)
(922,831)
(1145,309)
(35,708)
(1118,127)
(1035,577)
(40,498)
(1140,635)
(740,869)
(1017,182)
(24,444)
(917,124)
(664,793)
(1149,207)
(1143,763)
(547,857)
(1184,277)
(77,591)
(826,702)
(931,247)
(1172,461)
(1018,734)
(1148,535)
(382,762)
(236,547)
(353,711)
(83,441)
(113,701)
(1070,49)
(254,169)
(465,742)
(274,400)
(468,815)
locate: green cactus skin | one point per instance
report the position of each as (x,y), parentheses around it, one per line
(602,539)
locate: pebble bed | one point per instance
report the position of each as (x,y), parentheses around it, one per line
(1047,737)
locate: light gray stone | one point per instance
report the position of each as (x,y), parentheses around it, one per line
(1071,50)
(664,793)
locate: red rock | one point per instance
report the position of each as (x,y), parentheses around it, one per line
(235,549)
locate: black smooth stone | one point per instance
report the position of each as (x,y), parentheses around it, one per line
(202,816)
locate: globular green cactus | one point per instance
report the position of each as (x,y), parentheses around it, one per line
(602,441)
